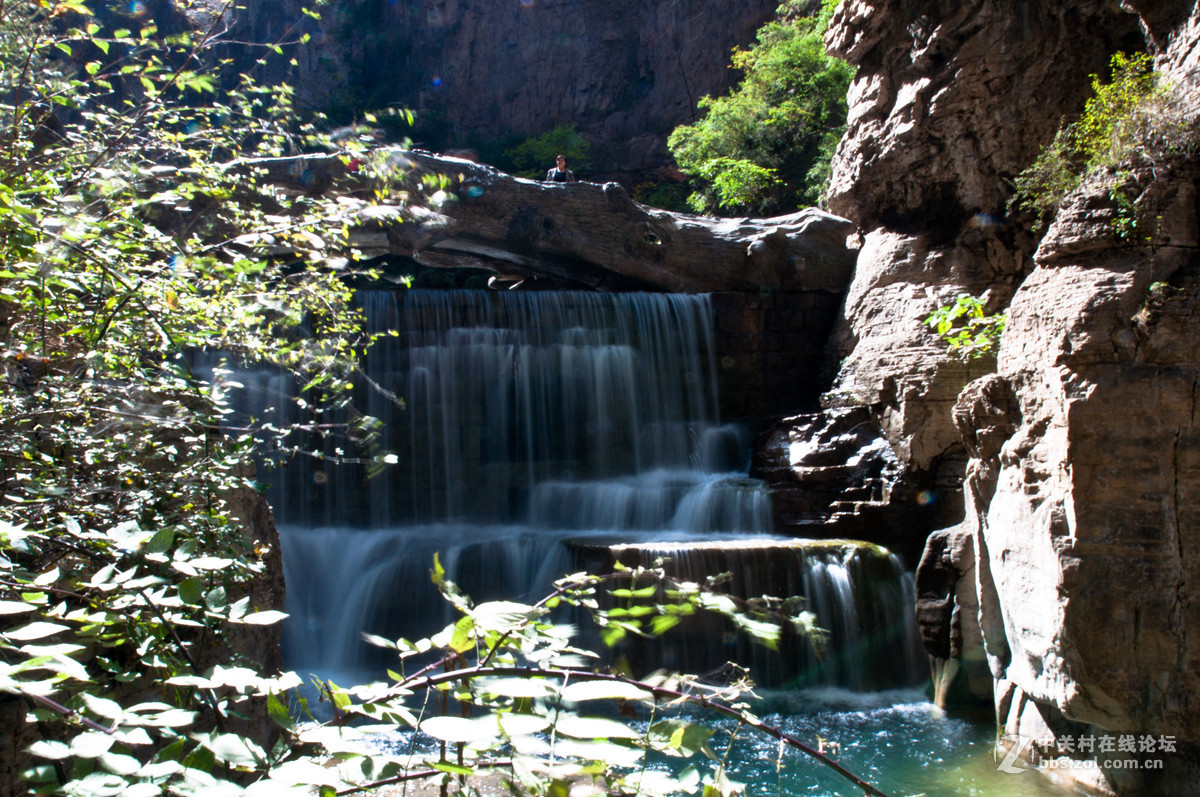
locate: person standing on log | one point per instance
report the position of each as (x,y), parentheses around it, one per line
(560,173)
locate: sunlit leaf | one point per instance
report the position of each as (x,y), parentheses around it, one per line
(303,773)
(48,749)
(604,690)
(482,730)
(513,724)
(38,630)
(594,728)
(268,617)
(15,607)
(232,749)
(109,709)
(517,687)
(608,752)
(91,744)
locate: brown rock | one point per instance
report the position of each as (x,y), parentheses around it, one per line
(945,109)
(589,235)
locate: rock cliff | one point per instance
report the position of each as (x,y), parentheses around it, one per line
(626,72)
(946,108)
(1069,584)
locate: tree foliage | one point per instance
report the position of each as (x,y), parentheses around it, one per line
(135,231)
(766,146)
(138,227)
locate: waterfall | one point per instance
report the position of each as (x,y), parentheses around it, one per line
(540,431)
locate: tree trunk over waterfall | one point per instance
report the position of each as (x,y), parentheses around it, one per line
(582,234)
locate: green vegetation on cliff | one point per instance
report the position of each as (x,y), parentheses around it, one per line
(765,148)
(1132,117)
(966,327)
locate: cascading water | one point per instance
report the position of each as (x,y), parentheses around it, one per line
(537,429)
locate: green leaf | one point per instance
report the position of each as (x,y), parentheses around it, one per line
(38,630)
(644,592)
(463,638)
(191,590)
(161,542)
(279,713)
(678,737)
(663,623)
(216,599)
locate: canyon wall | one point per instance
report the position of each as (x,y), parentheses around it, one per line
(1067,590)
(625,72)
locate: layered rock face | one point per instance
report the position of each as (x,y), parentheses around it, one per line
(950,102)
(1086,516)
(626,72)
(1069,582)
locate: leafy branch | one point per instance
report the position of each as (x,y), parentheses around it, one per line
(526,674)
(966,327)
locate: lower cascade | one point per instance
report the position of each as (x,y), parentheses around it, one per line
(537,434)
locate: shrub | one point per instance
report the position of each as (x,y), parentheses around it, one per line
(534,156)
(1133,116)
(137,226)
(966,328)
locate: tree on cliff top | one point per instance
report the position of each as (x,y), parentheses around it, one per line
(765,148)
